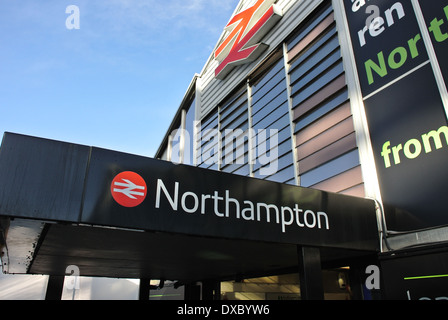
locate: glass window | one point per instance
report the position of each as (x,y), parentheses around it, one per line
(182,138)
(189,134)
(208,142)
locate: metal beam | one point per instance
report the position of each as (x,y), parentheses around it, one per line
(310,273)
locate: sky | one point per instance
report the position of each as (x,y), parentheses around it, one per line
(117,81)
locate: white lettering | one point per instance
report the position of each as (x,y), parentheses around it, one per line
(250,209)
(180,151)
(298,211)
(186,310)
(203,198)
(398,8)
(230,147)
(408,293)
(319,225)
(375,24)
(172,201)
(357,4)
(245,309)
(235,202)
(228,207)
(217,198)
(265,155)
(235,153)
(183,202)
(306,215)
(373,280)
(268,208)
(286,222)
(72,281)
(73,20)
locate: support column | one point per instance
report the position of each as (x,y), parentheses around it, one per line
(358,278)
(211,290)
(54,288)
(310,273)
(143,292)
(192,292)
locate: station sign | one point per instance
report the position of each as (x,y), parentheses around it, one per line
(70,183)
(128,189)
(134,192)
(244,32)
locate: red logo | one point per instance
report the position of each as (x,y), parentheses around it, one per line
(246,29)
(128,189)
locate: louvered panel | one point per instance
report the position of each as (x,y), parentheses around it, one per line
(325,143)
(320,96)
(213,90)
(270,114)
(234,126)
(347,181)
(307,27)
(356,191)
(322,80)
(330,169)
(280,175)
(269,102)
(328,153)
(277,118)
(333,117)
(283,148)
(270,81)
(325,138)
(316,65)
(311,37)
(208,144)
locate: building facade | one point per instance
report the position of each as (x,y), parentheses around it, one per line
(306,161)
(342,96)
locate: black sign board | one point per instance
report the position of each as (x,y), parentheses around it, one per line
(133,192)
(415,275)
(196,201)
(436,18)
(405,112)
(386,40)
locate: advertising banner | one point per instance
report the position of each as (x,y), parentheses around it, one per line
(436,18)
(404,107)
(415,275)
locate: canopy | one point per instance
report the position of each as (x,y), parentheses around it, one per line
(119,215)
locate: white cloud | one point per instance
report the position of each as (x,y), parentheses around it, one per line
(158,16)
(150,27)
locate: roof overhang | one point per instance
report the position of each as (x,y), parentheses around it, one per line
(194,224)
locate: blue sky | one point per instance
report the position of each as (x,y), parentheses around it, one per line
(116,82)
